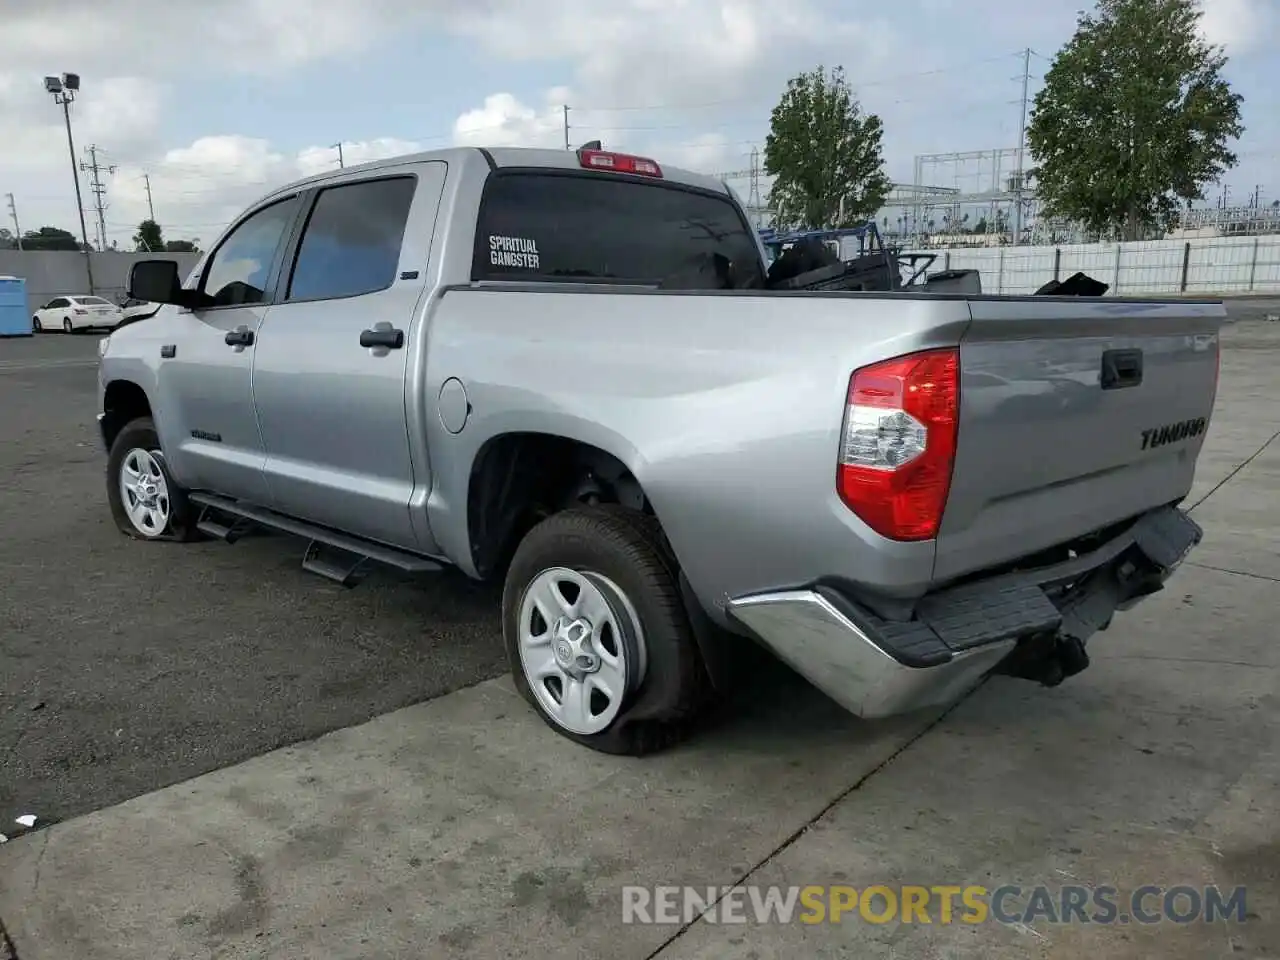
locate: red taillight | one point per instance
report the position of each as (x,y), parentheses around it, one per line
(78,312)
(899,443)
(618,163)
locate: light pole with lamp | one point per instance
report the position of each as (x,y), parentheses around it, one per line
(64,90)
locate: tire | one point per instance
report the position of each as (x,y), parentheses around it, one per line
(36,325)
(172,516)
(66,325)
(622,556)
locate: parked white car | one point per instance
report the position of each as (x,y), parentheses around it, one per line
(76,312)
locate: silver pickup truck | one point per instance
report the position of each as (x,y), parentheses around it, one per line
(567,370)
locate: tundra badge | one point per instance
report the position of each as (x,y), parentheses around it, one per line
(1173,432)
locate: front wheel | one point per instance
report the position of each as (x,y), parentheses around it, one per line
(36,325)
(597,635)
(145,502)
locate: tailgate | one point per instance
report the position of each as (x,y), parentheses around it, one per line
(1074,414)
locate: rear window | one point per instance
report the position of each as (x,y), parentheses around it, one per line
(92,301)
(582,228)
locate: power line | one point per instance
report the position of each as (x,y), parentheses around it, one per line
(98,189)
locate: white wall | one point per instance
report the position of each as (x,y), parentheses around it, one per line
(49,273)
(1222,265)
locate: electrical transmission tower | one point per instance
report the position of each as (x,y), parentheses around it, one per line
(753,196)
(13,212)
(99,190)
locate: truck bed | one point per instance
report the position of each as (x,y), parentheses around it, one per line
(727,406)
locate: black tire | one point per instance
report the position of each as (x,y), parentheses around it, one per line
(141,434)
(66,325)
(629,550)
(36,325)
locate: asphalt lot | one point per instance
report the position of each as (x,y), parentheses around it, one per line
(128,665)
(460,827)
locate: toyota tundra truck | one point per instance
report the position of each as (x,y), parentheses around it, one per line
(567,371)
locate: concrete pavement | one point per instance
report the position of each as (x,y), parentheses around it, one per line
(463,828)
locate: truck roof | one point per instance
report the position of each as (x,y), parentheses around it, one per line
(502,157)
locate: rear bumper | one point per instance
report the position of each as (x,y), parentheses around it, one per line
(877,668)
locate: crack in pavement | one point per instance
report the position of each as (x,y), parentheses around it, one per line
(7,950)
(804,828)
(1231,476)
(44,848)
(1238,573)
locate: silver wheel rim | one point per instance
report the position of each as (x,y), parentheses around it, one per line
(144,492)
(581,648)
(66,325)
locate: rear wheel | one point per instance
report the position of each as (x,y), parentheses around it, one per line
(145,501)
(67,326)
(597,635)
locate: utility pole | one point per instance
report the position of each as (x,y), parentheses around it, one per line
(1022,143)
(98,189)
(566,126)
(341,162)
(753,193)
(151,210)
(17,230)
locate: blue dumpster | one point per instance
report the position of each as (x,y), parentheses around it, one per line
(14,319)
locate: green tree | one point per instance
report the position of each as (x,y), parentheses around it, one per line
(50,238)
(181,246)
(1134,119)
(149,237)
(824,154)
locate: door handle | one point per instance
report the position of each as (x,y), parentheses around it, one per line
(1120,369)
(379,337)
(239,337)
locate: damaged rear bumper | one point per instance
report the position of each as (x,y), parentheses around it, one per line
(1030,623)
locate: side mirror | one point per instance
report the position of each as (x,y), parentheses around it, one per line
(157,281)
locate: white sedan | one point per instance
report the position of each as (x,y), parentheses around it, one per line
(76,312)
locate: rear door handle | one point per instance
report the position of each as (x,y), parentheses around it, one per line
(382,337)
(239,337)
(1120,369)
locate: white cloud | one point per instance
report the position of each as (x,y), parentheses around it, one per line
(503,121)
(198,189)
(1240,26)
(689,82)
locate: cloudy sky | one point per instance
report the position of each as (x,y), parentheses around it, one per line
(218,101)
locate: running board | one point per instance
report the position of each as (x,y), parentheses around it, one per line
(212,526)
(353,553)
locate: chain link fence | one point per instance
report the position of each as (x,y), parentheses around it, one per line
(1208,267)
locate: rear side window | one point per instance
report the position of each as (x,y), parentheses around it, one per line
(351,245)
(583,228)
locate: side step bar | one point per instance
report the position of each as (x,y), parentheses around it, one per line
(335,556)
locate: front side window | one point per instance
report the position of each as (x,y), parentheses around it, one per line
(351,244)
(537,226)
(238,270)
